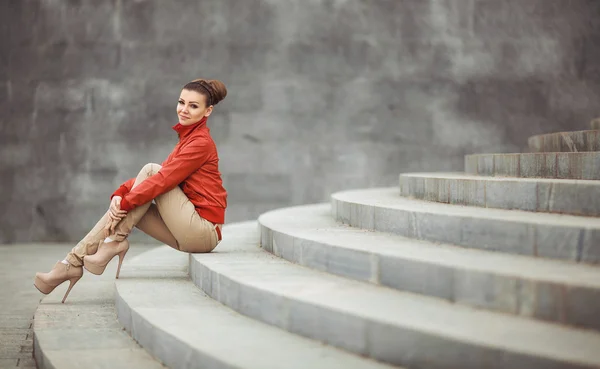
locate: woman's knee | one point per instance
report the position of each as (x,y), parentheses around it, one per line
(150,169)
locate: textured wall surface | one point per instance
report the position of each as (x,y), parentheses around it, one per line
(324,95)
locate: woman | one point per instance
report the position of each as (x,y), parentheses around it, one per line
(189,199)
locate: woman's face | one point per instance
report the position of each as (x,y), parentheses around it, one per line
(192,107)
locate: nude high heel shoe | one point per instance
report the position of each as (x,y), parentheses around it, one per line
(47,282)
(96,263)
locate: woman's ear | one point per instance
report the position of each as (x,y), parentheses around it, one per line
(208,111)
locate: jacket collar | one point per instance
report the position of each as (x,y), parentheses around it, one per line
(184,131)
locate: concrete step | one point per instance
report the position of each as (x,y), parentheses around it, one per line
(563,165)
(175,321)
(566,196)
(555,236)
(576,141)
(531,287)
(84,331)
(400,328)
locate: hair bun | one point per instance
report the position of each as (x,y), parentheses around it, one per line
(219,91)
(216,89)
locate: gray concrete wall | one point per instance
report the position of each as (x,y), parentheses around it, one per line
(324,95)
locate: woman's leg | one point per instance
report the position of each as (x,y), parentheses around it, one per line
(89,244)
(154,226)
(194,234)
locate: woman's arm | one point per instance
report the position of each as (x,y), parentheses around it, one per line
(186,162)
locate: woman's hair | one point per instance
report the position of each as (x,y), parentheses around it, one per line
(213,90)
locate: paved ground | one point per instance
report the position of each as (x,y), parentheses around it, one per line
(19,298)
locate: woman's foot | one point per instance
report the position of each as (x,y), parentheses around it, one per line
(47,282)
(96,263)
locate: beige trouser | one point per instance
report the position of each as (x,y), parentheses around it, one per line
(173,220)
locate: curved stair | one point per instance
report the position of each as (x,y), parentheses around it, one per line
(544,289)
(184,328)
(396,327)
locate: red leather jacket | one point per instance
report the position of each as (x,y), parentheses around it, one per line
(194,166)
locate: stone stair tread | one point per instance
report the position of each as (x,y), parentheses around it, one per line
(389,198)
(544,235)
(185,328)
(283,286)
(84,332)
(314,223)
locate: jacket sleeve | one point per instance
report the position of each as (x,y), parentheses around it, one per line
(124,188)
(187,161)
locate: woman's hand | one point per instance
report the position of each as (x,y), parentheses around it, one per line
(115,215)
(110,227)
(115,212)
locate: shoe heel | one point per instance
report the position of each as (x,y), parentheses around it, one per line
(71,284)
(121,258)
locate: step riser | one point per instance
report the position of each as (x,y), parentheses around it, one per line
(168,349)
(508,294)
(555,242)
(140,331)
(550,165)
(41,359)
(360,335)
(582,141)
(563,198)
